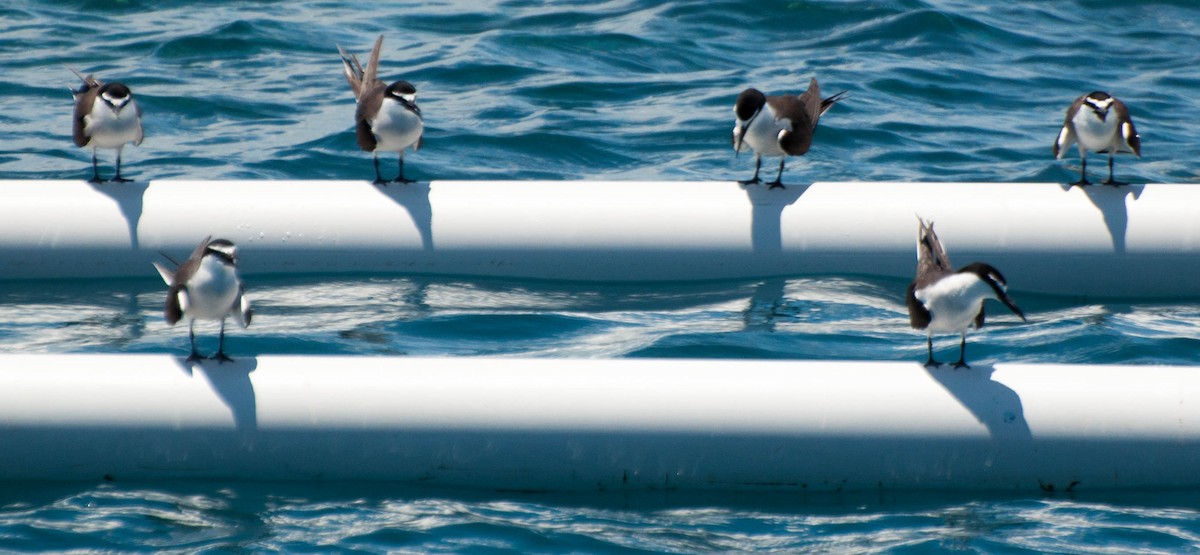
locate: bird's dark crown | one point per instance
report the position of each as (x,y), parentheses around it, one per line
(400,88)
(991,276)
(115,90)
(749,103)
(986,272)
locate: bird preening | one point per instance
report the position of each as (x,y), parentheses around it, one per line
(206,286)
(778,125)
(1100,123)
(387,118)
(944,300)
(106,116)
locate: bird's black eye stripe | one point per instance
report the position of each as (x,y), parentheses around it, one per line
(222,255)
(753,117)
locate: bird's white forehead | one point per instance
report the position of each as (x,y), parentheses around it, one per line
(1101,104)
(114,99)
(223,248)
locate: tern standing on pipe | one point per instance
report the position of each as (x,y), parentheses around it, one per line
(778,125)
(1099,123)
(106,116)
(943,300)
(206,286)
(387,118)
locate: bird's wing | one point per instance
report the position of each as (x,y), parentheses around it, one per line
(177,295)
(362,80)
(932,263)
(1066,138)
(1128,131)
(918,315)
(140,133)
(85,97)
(932,260)
(369,105)
(176,301)
(797,138)
(352,70)
(198,252)
(370,75)
(1066,135)
(241,308)
(811,99)
(185,270)
(829,102)
(89,80)
(168,275)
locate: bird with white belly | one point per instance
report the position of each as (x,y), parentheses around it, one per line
(106,116)
(778,125)
(1098,122)
(944,300)
(387,118)
(206,286)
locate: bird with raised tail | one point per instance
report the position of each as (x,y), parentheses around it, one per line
(944,300)
(106,116)
(206,286)
(778,125)
(1098,122)
(387,118)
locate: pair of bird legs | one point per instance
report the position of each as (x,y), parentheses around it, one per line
(777,184)
(96,171)
(962,355)
(379,180)
(1083,175)
(220,356)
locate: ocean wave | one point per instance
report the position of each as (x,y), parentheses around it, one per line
(939,90)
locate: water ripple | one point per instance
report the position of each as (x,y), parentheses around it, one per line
(352,517)
(940,90)
(811,318)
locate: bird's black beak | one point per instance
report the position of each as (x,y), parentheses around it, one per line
(739,132)
(1012,305)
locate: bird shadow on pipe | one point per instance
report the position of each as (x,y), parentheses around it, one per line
(414,198)
(231,382)
(1111,201)
(766,216)
(992,403)
(128,197)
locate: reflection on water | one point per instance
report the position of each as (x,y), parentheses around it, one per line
(374,518)
(810,318)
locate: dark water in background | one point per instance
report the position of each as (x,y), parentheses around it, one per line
(939,91)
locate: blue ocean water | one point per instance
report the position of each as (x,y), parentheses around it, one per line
(632,89)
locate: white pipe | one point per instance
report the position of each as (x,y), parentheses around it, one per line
(627,424)
(1133,241)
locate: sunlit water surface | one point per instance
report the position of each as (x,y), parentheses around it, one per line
(632,89)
